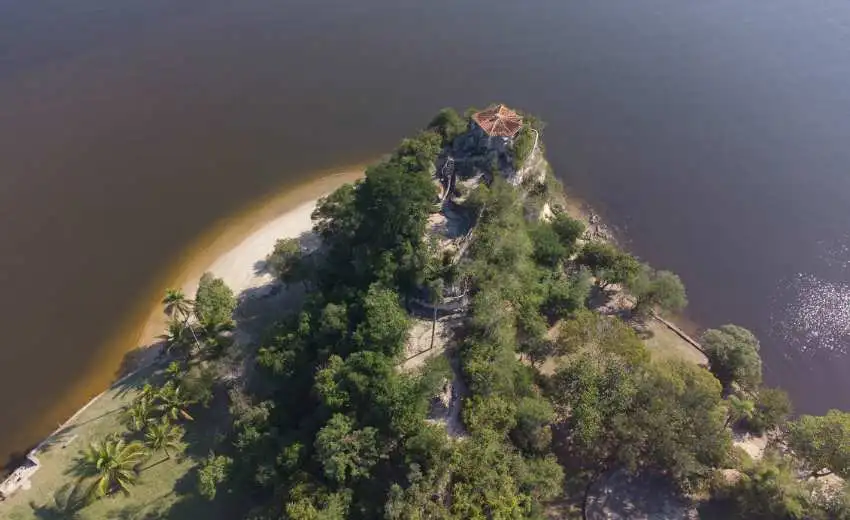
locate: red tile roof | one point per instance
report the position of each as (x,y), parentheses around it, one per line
(498,120)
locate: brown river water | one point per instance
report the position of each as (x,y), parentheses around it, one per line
(713,135)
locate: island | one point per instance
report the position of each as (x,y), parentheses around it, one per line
(446,337)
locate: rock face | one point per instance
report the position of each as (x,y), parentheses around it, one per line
(475,152)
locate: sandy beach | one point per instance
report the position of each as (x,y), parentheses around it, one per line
(232,249)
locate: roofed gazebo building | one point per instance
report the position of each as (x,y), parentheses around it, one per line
(496,127)
(488,145)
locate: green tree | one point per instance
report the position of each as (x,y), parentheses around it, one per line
(665,416)
(172,402)
(177,306)
(591,330)
(532,433)
(320,505)
(772,408)
(484,481)
(139,413)
(344,452)
(769,491)
(523,145)
(739,409)
(657,289)
(449,124)
(681,403)
(213,471)
(822,442)
(542,479)
(112,466)
(385,323)
(179,338)
(566,294)
(733,354)
(609,264)
(568,229)
(162,435)
(336,218)
(548,248)
(493,412)
(214,301)
(285,260)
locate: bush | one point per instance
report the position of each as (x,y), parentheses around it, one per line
(772,410)
(523,145)
(739,458)
(449,124)
(213,471)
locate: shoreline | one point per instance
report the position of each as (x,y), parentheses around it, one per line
(229,248)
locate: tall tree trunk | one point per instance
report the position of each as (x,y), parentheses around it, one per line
(433,327)
(186,325)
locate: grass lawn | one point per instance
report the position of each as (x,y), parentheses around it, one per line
(166,488)
(663,343)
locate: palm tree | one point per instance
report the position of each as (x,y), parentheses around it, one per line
(163,435)
(176,304)
(147,391)
(139,414)
(179,309)
(213,334)
(176,337)
(172,402)
(739,409)
(112,463)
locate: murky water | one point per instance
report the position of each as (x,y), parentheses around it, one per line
(714,134)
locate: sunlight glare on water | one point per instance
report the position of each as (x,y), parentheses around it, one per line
(814,313)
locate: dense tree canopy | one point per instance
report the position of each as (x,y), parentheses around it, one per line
(657,290)
(449,124)
(326,417)
(823,442)
(772,408)
(663,416)
(609,264)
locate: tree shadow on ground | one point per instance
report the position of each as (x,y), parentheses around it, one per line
(260,307)
(211,424)
(717,510)
(148,511)
(152,373)
(637,497)
(139,357)
(191,504)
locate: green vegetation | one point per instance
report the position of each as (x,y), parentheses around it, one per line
(733,353)
(609,264)
(523,145)
(449,124)
(318,419)
(661,290)
(823,442)
(111,465)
